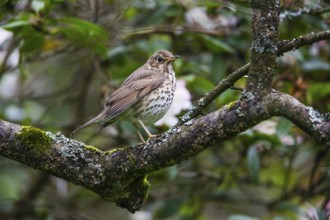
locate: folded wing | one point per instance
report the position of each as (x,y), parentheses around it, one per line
(139,84)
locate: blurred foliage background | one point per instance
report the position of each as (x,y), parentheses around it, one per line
(61,58)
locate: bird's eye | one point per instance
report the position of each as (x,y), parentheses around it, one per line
(160,59)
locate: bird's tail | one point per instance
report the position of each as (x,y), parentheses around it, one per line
(92,121)
(98,118)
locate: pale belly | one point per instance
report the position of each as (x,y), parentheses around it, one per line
(155,105)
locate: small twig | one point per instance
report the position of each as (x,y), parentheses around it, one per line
(173,29)
(304,11)
(310,38)
(287,175)
(223,85)
(317,161)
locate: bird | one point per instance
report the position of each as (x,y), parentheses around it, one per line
(143,98)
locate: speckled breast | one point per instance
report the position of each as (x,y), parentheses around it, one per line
(154,106)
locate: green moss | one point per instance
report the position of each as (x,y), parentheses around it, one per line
(133,194)
(92,148)
(229,105)
(146,185)
(108,152)
(142,187)
(34,138)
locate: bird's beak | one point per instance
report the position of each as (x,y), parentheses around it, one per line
(173,58)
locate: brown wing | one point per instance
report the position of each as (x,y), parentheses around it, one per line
(140,83)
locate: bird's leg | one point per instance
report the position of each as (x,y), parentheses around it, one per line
(146,129)
(140,135)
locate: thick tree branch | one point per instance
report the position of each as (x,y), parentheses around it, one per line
(119,175)
(308,119)
(264,46)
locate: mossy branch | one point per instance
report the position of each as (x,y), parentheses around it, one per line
(120,175)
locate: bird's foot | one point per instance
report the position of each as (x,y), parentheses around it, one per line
(151,136)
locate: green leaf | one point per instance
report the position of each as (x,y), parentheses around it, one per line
(201,84)
(37,5)
(169,208)
(32,42)
(318,90)
(315,64)
(216,45)
(172,172)
(14,24)
(218,67)
(284,206)
(33,110)
(253,161)
(281,218)
(9,187)
(241,217)
(283,126)
(120,50)
(130,13)
(84,33)
(10,182)
(321,213)
(84,27)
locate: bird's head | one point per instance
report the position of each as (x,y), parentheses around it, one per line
(161,59)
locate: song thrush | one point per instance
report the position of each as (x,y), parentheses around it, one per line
(144,97)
